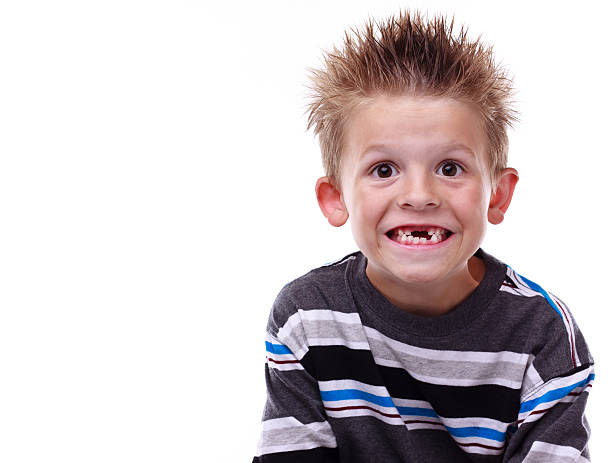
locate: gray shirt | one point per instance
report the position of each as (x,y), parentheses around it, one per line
(503,377)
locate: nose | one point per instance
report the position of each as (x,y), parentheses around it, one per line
(418,192)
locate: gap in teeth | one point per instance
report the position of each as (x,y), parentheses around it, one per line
(431,232)
(434,235)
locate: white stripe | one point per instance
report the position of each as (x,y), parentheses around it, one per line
(338,384)
(301,331)
(456,372)
(359,403)
(433,425)
(292,335)
(280,357)
(365,412)
(382,391)
(342,260)
(326,314)
(433,354)
(295,337)
(558,383)
(530,416)
(357,345)
(564,314)
(412,403)
(285,366)
(477,422)
(532,375)
(447,381)
(554,450)
(294,436)
(379,391)
(424,423)
(397,420)
(510,290)
(499,446)
(449,355)
(279,423)
(569,325)
(482,451)
(522,288)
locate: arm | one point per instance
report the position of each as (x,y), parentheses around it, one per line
(295,429)
(551,424)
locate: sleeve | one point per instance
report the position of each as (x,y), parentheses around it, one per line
(294,425)
(551,425)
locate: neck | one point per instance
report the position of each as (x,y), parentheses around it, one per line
(437,298)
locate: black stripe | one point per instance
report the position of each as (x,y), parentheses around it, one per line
(489,401)
(317,455)
(328,363)
(339,362)
(508,282)
(573,371)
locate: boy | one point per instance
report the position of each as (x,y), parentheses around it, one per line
(420,347)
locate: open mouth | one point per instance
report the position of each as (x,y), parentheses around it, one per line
(420,235)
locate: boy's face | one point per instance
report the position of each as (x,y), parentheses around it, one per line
(415,185)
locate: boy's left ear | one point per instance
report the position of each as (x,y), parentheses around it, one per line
(502,195)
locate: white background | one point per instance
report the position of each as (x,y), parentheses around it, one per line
(157,191)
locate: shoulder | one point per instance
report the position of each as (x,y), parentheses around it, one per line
(553,336)
(323,288)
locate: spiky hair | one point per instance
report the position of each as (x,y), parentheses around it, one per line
(409,55)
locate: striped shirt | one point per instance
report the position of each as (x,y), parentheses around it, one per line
(503,377)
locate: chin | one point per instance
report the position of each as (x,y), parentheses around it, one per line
(420,278)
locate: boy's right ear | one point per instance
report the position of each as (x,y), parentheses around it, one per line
(330,202)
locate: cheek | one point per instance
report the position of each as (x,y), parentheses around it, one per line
(474,204)
(365,214)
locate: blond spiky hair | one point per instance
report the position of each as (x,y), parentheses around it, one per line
(409,54)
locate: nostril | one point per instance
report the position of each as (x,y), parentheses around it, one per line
(419,204)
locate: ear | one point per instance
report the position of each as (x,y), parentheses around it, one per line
(330,202)
(502,195)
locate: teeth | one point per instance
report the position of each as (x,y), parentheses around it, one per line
(435,236)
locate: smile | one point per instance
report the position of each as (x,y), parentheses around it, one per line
(419,235)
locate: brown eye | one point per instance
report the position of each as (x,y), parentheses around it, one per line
(384,171)
(449,169)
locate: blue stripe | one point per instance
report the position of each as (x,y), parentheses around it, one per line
(277,348)
(478,431)
(349,394)
(470,431)
(536,287)
(415,411)
(553,395)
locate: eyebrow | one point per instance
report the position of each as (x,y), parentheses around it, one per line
(441,148)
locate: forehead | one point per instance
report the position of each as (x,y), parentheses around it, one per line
(415,125)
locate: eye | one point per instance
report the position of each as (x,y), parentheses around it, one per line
(449,169)
(384,170)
